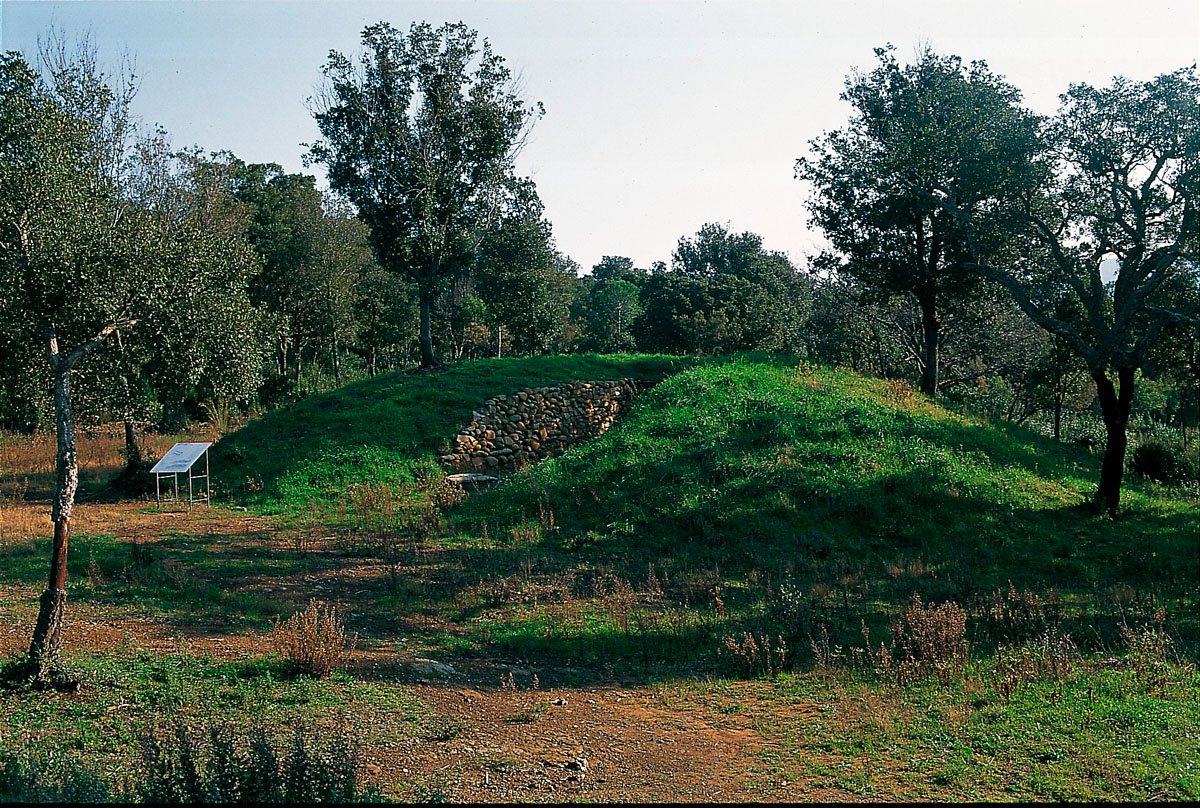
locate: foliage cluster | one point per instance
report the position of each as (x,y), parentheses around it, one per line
(180,766)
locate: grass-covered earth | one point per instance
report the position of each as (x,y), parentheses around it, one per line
(716,599)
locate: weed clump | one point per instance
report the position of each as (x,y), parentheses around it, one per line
(314,641)
(927,642)
(755,655)
(1052,656)
(185,767)
(528,710)
(1016,616)
(1150,651)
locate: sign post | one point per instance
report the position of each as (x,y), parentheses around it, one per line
(181,459)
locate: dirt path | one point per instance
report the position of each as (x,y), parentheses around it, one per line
(497,736)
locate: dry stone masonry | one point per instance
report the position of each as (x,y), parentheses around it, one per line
(533,424)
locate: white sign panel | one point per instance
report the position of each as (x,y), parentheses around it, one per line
(181,457)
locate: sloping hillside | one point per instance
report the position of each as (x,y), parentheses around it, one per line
(380,431)
(857,492)
(837,481)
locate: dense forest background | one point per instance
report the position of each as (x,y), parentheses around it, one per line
(253,288)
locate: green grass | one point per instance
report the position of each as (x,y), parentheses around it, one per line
(770,497)
(128,693)
(739,497)
(855,493)
(192,579)
(1100,735)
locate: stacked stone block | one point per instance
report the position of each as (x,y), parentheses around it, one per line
(536,423)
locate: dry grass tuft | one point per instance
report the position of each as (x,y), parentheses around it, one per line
(314,640)
(927,642)
(755,655)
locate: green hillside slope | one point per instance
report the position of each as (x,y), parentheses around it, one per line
(383,430)
(855,493)
(850,485)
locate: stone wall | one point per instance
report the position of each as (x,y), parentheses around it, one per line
(533,424)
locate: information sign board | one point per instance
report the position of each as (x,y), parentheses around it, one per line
(181,457)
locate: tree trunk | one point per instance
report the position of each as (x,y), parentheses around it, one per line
(930,326)
(299,351)
(47,632)
(133,450)
(428,358)
(1115,405)
(337,363)
(283,352)
(372,359)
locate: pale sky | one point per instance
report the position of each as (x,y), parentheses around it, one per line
(660,116)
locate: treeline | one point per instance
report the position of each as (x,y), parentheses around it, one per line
(191,281)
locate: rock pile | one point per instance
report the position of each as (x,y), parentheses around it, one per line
(533,424)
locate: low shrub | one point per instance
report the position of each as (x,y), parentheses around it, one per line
(314,641)
(1163,463)
(49,777)
(179,766)
(927,642)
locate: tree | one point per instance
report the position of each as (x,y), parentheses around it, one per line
(420,136)
(608,304)
(386,313)
(520,279)
(608,309)
(314,251)
(935,123)
(66,257)
(81,263)
(849,327)
(724,293)
(202,339)
(1119,175)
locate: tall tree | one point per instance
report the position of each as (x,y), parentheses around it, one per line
(420,136)
(67,257)
(934,123)
(724,292)
(1120,175)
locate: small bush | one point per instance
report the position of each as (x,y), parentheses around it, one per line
(1162,463)
(796,614)
(927,642)
(314,641)
(181,767)
(218,413)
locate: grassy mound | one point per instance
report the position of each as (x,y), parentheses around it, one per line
(851,490)
(386,432)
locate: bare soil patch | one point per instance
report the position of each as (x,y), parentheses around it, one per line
(493,735)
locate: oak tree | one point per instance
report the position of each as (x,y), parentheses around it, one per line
(420,135)
(1119,181)
(934,123)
